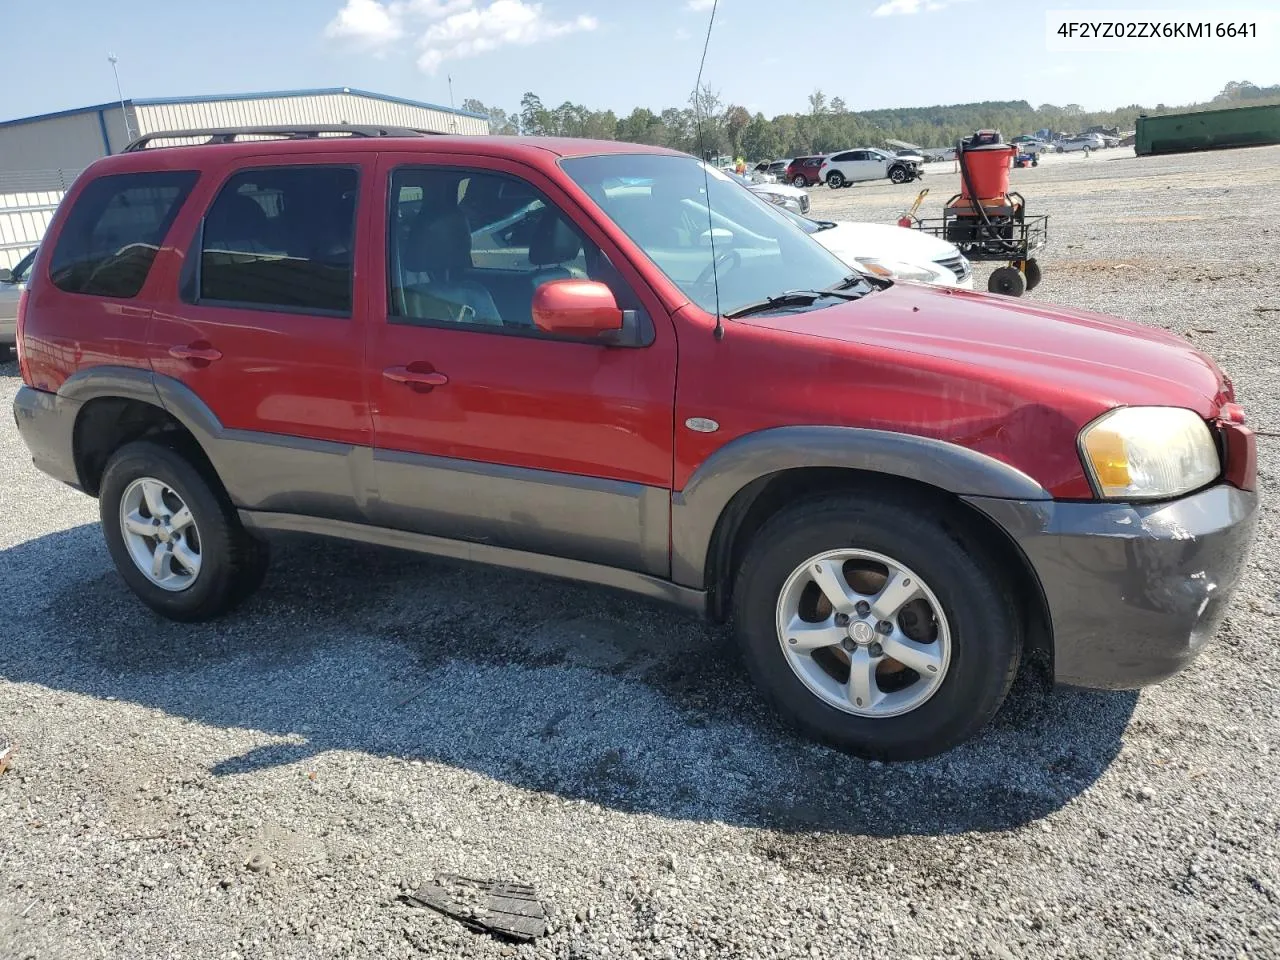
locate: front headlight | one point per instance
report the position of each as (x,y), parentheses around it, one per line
(897,270)
(1149,453)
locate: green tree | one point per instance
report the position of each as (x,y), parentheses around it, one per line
(534,118)
(759,140)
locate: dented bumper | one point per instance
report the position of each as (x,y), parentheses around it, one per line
(1133,591)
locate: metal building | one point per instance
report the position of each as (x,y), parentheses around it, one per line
(40,156)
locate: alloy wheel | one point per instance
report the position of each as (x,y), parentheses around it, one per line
(160,534)
(863,633)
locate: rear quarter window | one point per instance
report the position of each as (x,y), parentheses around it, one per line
(112,234)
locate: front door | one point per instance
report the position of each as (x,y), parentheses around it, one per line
(486,429)
(868,166)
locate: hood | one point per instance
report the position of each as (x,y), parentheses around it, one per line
(848,241)
(1102,360)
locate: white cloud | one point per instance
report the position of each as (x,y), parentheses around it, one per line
(699,6)
(365,23)
(449,29)
(502,23)
(682,34)
(893,8)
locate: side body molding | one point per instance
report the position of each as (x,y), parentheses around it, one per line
(259,471)
(948,466)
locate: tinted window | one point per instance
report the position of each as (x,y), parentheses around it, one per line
(845,157)
(282,237)
(111,236)
(469,247)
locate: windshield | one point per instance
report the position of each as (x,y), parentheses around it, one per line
(661,202)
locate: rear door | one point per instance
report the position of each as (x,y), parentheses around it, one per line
(487,429)
(266,333)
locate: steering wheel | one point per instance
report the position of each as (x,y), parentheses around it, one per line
(726,261)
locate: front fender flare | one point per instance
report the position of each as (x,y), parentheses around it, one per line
(696,509)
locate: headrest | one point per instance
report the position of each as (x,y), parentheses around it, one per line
(235,218)
(553,241)
(439,242)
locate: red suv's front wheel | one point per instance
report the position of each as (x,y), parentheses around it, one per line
(876,626)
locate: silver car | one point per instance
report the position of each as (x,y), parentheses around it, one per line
(12,283)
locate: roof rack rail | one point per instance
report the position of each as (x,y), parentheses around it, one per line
(289,132)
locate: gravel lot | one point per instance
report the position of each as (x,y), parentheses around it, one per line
(373,716)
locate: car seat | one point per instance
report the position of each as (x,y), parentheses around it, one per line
(439,246)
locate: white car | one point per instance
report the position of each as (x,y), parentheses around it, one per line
(848,167)
(891,251)
(779,194)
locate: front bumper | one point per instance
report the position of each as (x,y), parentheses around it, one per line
(1133,591)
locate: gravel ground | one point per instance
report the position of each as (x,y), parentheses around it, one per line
(374,716)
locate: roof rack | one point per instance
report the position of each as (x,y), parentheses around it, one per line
(291,132)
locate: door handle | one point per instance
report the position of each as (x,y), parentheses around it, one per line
(200,353)
(421,380)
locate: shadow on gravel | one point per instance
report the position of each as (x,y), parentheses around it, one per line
(540,684)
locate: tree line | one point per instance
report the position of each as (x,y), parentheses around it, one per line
(706,124)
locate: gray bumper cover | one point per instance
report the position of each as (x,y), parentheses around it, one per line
(1134,591)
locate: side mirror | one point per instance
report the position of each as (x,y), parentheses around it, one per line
(6,275)
(576,308)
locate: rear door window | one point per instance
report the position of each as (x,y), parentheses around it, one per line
(281,238)
(113,232)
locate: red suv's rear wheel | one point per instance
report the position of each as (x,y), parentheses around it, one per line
(174,536)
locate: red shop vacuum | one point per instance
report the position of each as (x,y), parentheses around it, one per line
(987,220)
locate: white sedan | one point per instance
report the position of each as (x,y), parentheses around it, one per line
(890,251)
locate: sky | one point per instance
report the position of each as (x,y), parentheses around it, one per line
(767,55)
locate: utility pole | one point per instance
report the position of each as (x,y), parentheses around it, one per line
(453,121)
(128,127)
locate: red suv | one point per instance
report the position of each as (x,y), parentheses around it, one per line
(535,353)
(804,171)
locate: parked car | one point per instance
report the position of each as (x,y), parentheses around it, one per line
(1030,145)
(1075,144)
(12,283)
(804,172)
(915,155)
(891,490)
(767,171)
(891,251)
(853,166)
(784,195)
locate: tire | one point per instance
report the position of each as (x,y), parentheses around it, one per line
(899,174)
(1009,281)
(835,180)
(1033,273)
(231,562)
(800,182)
(984,640)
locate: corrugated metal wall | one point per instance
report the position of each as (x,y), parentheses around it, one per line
(70,141)
(310,108)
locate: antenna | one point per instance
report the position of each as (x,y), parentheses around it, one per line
(706,176)
(124,113)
